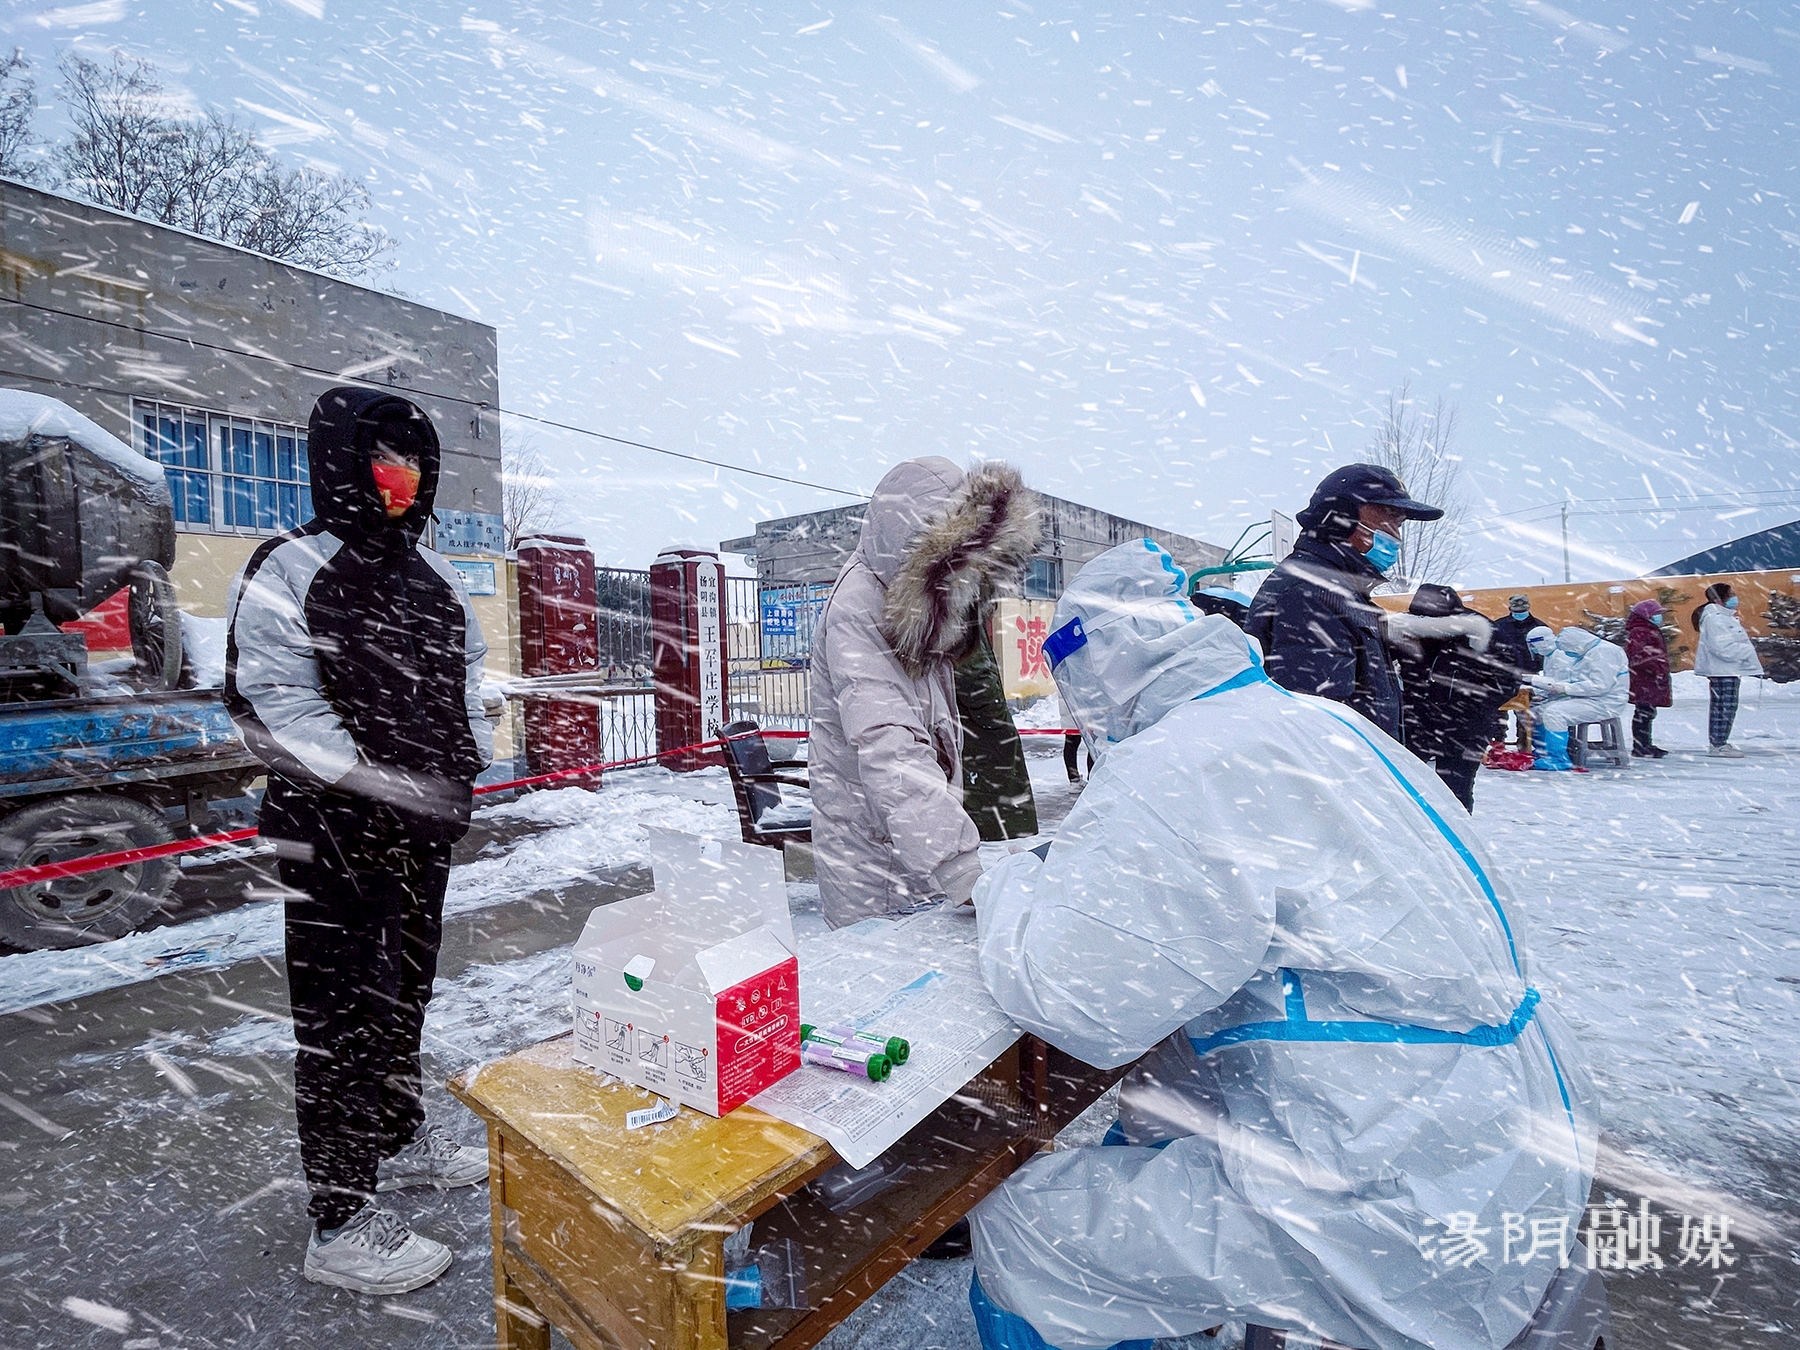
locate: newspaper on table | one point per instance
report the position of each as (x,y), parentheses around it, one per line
(916,978)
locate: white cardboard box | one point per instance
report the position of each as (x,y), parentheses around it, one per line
(693,991)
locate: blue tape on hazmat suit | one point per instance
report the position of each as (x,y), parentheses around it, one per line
(1347,1057)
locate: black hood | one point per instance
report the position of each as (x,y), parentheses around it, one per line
(341,438)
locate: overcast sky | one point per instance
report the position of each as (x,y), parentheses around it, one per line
(1168,262)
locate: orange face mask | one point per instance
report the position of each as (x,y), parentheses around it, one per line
(398,486)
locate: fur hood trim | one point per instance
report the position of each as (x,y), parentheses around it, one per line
(985,533)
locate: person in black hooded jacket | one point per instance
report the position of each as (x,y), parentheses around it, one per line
(1320,632)
(353,668)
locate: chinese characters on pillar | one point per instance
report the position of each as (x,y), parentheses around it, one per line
(1032,632)
(711,626)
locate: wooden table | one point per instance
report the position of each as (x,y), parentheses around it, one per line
(617,1236)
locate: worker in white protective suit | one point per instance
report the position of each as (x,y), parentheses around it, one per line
(1347,1065)
(1585,679)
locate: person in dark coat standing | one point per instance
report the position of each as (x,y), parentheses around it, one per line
(1320,632)
(1647,652)
(1510,647)
(353,669)
(996,783)
(1452,685)
(1509,643)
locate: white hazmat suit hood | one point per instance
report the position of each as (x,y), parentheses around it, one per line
(1127,646)
(1585,679)
(1292,922)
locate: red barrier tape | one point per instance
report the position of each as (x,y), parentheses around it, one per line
(102,862)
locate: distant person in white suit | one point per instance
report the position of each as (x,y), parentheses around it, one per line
(1585,679)
(1723,657)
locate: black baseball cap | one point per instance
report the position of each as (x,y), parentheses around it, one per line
(1371,485)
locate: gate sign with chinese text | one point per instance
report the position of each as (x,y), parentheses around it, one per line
(467,532)
(711,616)
(1020,627)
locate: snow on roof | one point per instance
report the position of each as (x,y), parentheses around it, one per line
(24,415)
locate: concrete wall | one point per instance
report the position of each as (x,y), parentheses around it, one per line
(1076,533)
(813,547)
(78,283)
(89,278)
(1573,605)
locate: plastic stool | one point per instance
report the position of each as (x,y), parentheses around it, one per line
(1613,744)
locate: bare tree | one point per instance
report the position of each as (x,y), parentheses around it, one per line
(1418,447)
(134,150)
(117,156)
(529,501)
(18,104)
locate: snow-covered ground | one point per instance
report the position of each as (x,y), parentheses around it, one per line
(1659,907)
(584,832)
(1657,904)
(1041,714)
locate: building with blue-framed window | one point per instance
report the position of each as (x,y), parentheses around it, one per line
(237,473)
(209,358)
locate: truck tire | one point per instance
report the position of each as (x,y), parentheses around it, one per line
(155,622)
(96,906)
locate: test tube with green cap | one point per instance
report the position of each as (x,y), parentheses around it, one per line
(874,1065)
(895,1048)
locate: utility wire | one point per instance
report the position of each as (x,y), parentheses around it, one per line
(1593,501)
(1492,526)
(340,377)
(480,404)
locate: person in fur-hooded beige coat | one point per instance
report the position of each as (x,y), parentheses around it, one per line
(889,830)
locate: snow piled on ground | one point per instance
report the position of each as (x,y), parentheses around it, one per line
(1658,907)
(584,832)
(587,832)
(1043,714)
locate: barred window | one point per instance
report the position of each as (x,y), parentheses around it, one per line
(228,474)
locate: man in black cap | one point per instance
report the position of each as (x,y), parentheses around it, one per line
(1319,631)
(1509,646)
(1509,643)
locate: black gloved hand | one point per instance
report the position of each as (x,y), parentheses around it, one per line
(433,810)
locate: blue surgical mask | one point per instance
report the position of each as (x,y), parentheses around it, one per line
(1656,619)
(1731,602)
(1384,551)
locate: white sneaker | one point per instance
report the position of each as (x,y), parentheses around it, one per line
(433,1159)
(375,1253)
(1726,751)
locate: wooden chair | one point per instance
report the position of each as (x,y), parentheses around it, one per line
(763,816)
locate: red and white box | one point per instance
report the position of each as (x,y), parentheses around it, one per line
(693,991)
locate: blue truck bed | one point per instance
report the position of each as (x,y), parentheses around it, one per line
(72,745)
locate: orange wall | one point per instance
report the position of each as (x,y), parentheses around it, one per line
(1563,606)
